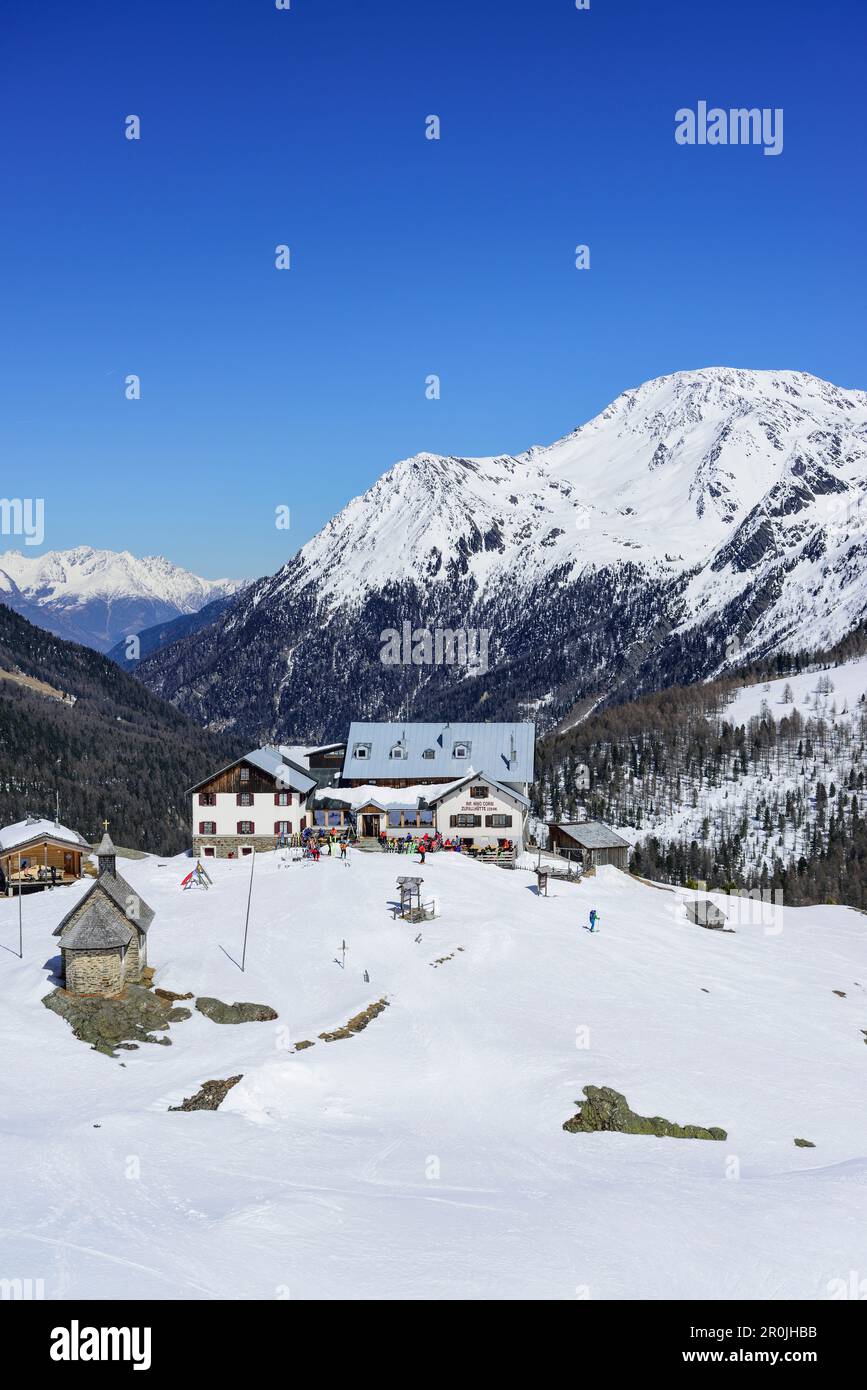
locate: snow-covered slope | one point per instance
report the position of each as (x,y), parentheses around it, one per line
(425,1156)
(99,597)
(741,781)
(699,508)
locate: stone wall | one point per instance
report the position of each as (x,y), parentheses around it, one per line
(131,963)
(224,845)
(93,972)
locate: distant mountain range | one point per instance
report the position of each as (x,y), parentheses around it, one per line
(101,597)
(702,519)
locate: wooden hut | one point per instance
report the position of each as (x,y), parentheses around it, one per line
(35,852)
(590,841)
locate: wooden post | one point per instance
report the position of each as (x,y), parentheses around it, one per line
(249,896)
(20,921)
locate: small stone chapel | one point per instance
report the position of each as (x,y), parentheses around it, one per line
(103,939)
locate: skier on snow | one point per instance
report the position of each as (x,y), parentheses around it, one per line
(594,918)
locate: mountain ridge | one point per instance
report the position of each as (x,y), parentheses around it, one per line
(699,520)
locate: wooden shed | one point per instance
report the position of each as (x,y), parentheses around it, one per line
(590,841)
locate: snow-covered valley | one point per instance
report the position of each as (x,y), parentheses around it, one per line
(425,1156)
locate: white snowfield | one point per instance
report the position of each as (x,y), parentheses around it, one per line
(425,1157)
(830,694)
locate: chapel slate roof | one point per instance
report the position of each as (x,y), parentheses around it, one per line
(101,928)
(111,892)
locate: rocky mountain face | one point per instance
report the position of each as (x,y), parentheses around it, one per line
(101,597)
(702,519)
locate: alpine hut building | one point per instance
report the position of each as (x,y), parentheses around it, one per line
(103,939)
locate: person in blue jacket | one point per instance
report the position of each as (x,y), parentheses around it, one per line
(594,918)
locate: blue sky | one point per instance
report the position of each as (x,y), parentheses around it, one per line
(410,257)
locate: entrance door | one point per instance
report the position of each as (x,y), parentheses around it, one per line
(68,866)
(370,825)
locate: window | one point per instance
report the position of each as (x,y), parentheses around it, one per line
(461,750)
(398,751)
(282,827)
(282,798)
(480,793)
(498,822)
(244,799)
(209,851)
(429,753)
(394,820)
(245,774)
(361,750)
(207,827)
(207,798)
(246,827)
(245,849)
(319,818)
(465,821)
(425,817)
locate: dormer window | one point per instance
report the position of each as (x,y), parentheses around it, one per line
(397,751)
(429,753)
(461,750)
(361,750)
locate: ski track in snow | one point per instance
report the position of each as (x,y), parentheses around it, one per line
(317,1178)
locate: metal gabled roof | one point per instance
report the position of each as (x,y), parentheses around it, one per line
(506,749)
(272,762)
(482,777)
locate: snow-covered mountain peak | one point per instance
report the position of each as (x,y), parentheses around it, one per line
(667,470)
(697,508)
